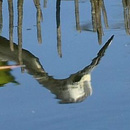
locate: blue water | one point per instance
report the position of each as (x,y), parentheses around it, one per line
(30,106)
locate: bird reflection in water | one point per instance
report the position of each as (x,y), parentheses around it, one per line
(73,89)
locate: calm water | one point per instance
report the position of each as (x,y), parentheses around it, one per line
(28,99)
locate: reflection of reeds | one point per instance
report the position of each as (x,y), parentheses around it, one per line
(58,2)
(39,19)
(98,6)
(77,15)
(11,17)
(45,4)
(126,6)
(1,17)
(20,19)
(104,14)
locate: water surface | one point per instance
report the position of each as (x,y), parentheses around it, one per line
(28,104)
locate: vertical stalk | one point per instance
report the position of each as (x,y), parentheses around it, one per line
(20,21)
(99,22)
(77,15)
(104,14)
(58,2)
(126,6)
(93,12)
(39,19)
(1,16)
(96,7)
(11,23)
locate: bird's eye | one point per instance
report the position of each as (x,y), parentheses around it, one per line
(77,79)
